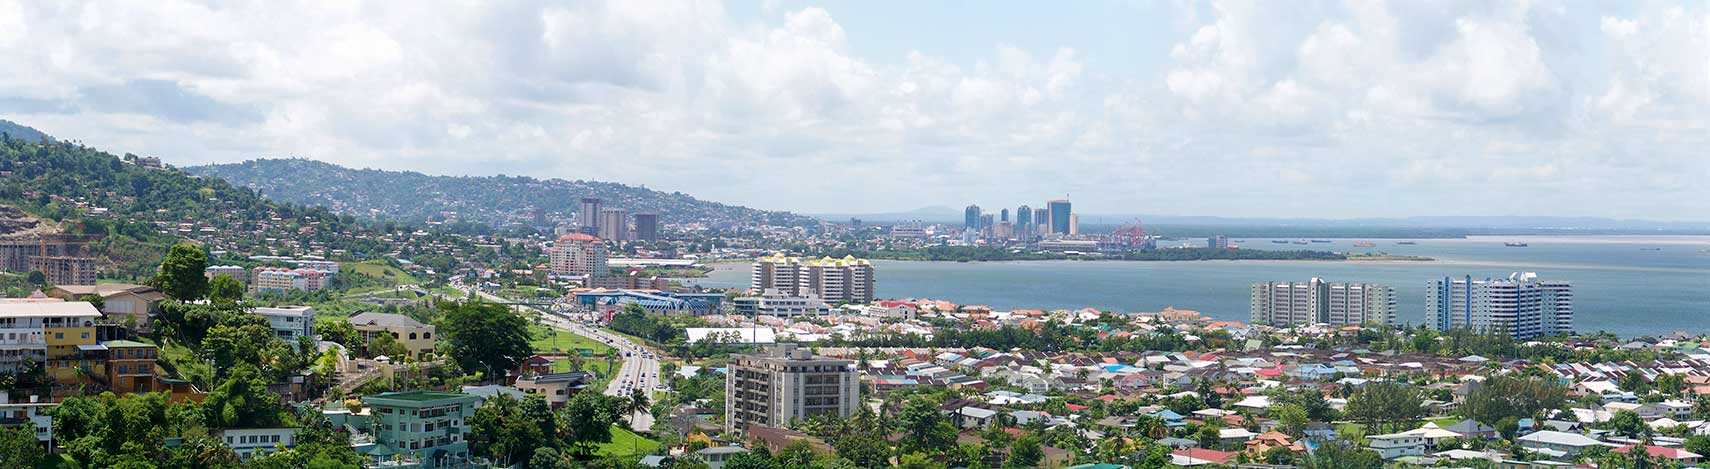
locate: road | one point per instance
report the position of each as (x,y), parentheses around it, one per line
(640,365)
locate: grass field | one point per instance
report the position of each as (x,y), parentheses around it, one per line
(554,340)
(626,443)
(380,270)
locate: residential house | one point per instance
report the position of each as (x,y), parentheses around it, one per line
(1397,445)
(416,337)
(557,388)
(134,306)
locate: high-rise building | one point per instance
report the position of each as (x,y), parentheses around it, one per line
(589,215)
(647,226)
(1041,221)
(1521,305)
(1217,242)
(1023,223)
(1284,304)
(971,218)
(1003,215)
(986,223)
(577,254)
(614,224)
(833,280)
(1059,212)
(786,383)
(1074,224)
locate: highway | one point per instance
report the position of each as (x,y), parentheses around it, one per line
(640,365)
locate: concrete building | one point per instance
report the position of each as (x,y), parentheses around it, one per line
(289,322)
(251,443)
(1284,304)
(588,215)
(1059,211)
(556,388)
(280,280)
(31,411)
(1024,223)
(69,270)
(61,258)
(774,302)
(647,227)
(426,423)
(1217,242)
(130,366)
(614,224)
(971,218)
(832,280)
(236,271)
(416,337)
(1521,304)
(578,254)
(1397,445)
(134,306)
(786,383)
(1041,222)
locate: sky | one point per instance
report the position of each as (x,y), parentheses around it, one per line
(1263,108)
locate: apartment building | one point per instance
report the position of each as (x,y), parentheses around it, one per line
(429,427)
(280,280)
(1522,305)
(774,302)
(130,366)
(31,411)
(1316,301)
(785,383)
(236,271)
(832,280)
(251,443)
(416,337)
(578,254)
(614,224)
(289,322)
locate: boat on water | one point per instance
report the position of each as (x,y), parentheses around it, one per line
(1513,244)
(1650,249)
(1298,242)
(1365,244)
(1321,241)
(1280,241)
(1407,243)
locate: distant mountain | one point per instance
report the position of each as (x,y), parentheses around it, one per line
(500,200)
(22,132)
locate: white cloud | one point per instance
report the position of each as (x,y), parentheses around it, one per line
(1256,106)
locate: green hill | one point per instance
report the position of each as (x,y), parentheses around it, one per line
(489,200)
(20,131)
(137,211)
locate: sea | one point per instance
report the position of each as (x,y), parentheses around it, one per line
(1626,285)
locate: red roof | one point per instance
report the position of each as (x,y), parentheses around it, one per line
(577,237)
(1662,452)
(1075,407)
(1216,457)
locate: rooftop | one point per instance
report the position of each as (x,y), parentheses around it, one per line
(384,320)
(419,396)
(82,309)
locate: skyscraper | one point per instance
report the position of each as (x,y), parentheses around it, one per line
(614,224)
(589,215)
(1041,221)
(1023,223)
(986,223)
(1284,304)
(971,218)
(1522,305)
(784,384)
(577,254)
(1003,215)
(1059,216)
(647,227)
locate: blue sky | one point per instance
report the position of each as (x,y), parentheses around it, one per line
(1231,108)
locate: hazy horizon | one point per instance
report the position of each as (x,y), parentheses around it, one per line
(1315,110)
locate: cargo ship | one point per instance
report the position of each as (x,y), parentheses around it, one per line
(1365,244)
(1514,244)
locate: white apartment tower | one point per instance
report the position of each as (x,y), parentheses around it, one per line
(832,280)
(1521,304)
(1285,304)
(786,383)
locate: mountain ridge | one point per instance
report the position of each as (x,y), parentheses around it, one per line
(413,196)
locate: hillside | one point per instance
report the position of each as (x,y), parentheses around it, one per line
(22,132)
(136,212)
(502,200)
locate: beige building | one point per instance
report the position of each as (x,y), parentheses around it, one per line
(134,306)
(416,337)
(786,383)
(846,280)
(556,388)
(578,254)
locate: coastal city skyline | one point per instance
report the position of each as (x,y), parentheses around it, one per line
(785,234)
(1237,109)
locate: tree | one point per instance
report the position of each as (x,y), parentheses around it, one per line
(637,403)
(18,446)
(548,458)
(36,277)
(484,336)
(864,449)
(1627,422)
(927,429)
(509,430)
(1026,452)
(587,422)
(1291,419)
(1385,403)
(1509,396)
(242,400)
(182,274)
(385,344)
(225,289)
(1333,455)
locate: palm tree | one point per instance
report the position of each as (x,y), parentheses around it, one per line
(638,402)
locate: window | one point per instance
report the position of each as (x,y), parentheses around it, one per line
(412,336)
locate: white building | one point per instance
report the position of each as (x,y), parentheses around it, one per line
(329,267)
(847,280)
(290,322)
(775,302)
(1397,445)
(1285,304)
(32,411)
(787,383)
(251,443)
(1521,304)
(236,271)
(280,280)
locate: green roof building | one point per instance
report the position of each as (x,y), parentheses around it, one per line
(426,428)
